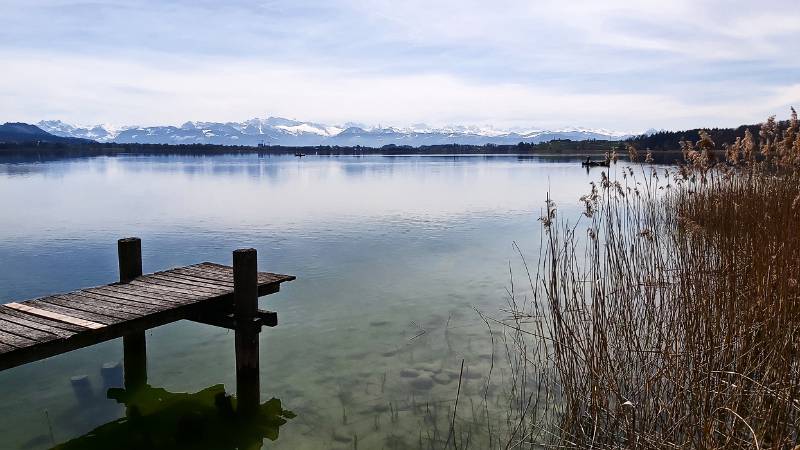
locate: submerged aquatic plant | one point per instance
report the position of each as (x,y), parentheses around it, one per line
(159,419)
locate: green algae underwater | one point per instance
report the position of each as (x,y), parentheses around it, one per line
(206,420)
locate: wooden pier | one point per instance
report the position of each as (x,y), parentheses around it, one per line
(208,293)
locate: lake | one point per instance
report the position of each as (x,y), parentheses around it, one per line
(392,255)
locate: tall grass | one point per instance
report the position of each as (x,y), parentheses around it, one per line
(669,316)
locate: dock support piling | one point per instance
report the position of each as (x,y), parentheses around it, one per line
(134,345)
(245,304)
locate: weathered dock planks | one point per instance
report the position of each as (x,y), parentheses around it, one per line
(39,328)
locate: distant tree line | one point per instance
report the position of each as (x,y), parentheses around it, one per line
(563,146)
(670,140)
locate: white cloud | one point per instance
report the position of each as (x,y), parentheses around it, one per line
(97,90)
(615,64)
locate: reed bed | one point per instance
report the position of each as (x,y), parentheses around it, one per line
(669,315)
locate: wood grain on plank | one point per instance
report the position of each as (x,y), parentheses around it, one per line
(60,329)
(123,303)
(139,297)
(15,341)
(33,334)
(86,305)
(165,286)
(192,287)
(191,274)
(191,281)
(55,316)
(88,316)
(209,274)
(226,273)
(145,291)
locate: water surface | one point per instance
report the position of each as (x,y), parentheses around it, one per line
(392,255)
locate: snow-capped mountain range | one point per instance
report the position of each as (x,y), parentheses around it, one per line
(280,131)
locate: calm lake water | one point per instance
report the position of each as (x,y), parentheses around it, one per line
(391,256)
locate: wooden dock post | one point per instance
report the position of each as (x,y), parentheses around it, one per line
(245,304)
(134,345)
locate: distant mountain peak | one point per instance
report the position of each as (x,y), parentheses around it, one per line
(291,132)
(23,132)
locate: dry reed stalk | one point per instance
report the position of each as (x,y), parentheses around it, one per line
(674,321)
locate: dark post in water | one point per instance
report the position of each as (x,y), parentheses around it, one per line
(245,304)
(134,346)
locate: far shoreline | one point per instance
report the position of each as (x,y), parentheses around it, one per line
(563,148)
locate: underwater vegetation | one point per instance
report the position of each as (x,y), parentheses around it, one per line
(206,420)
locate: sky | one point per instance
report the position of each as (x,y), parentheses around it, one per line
(613,64)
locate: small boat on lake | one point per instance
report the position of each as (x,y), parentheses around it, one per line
(590,163)
(299,155)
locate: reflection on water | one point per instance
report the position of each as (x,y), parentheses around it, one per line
(391,255)
(158,419)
